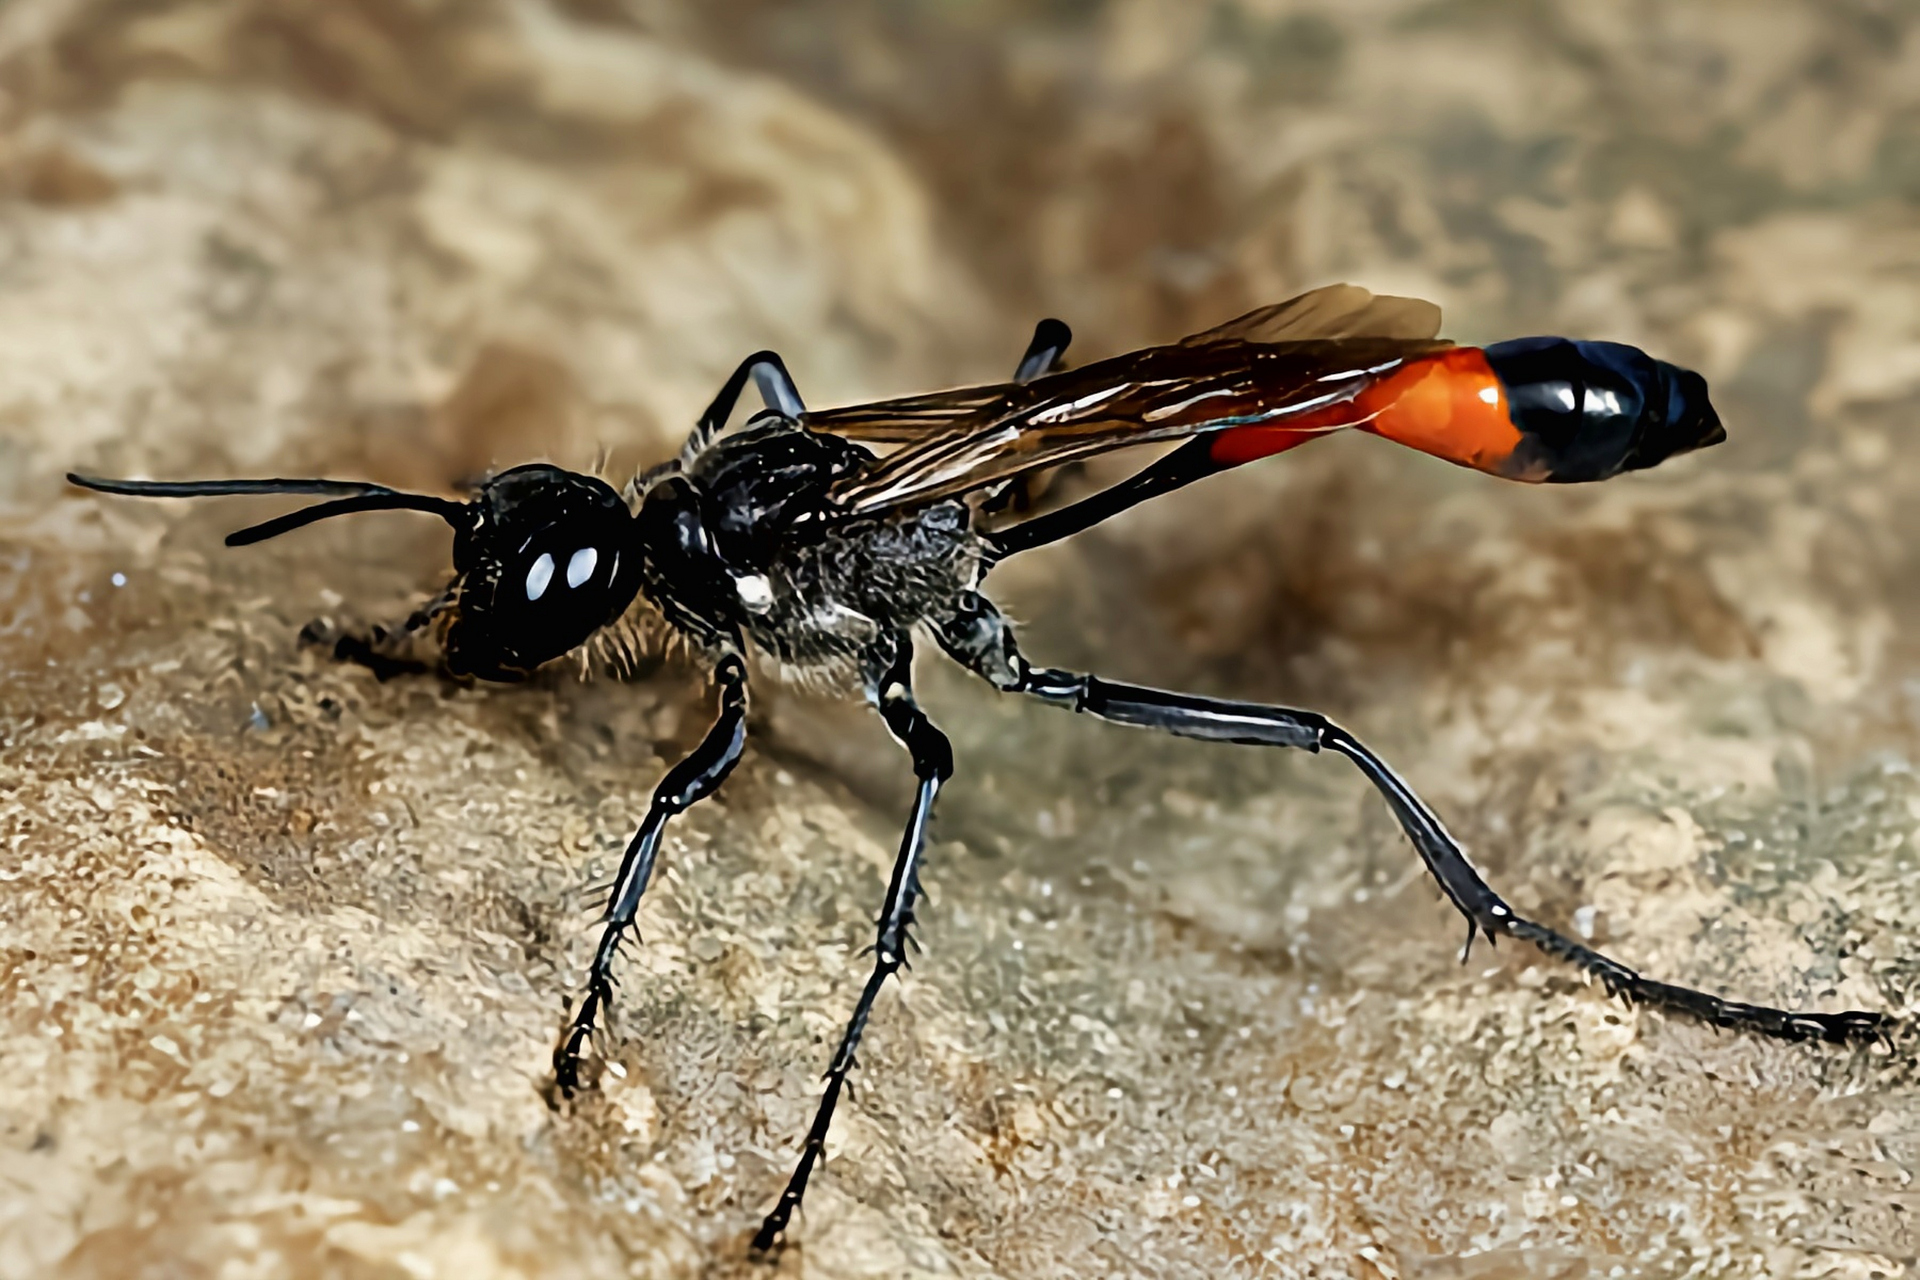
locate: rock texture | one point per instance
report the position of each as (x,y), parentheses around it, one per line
(285,950)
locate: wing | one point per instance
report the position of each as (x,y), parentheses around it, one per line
(907,420)
(1337,311)
(1271,368)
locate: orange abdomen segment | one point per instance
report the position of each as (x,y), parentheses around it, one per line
(1449,404)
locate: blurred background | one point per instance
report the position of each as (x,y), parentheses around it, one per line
(286,949)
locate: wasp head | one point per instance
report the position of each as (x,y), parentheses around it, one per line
(545,558)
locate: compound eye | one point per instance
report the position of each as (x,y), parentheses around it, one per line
(581,566)
(541,574)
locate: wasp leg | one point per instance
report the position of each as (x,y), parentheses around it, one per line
(932,765)
(769,376)
(377,651)
(776,387)
(980,639)
(1050,340)
(692,780)
(1023,492)
(383,650)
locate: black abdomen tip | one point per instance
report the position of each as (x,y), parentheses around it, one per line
(1590,410)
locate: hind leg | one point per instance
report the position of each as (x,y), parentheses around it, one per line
(980,639)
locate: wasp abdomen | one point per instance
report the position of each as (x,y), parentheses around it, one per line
(1538,409)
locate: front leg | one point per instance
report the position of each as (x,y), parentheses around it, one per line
(379,649)
(980,639)
(695,778)
(386,651)
(932,765)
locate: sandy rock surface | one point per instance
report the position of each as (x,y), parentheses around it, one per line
(284,951)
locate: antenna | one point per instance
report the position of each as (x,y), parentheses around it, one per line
(353,495)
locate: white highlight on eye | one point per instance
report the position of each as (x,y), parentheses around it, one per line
(539,576)
(1490,395)
(1564,391)
(580,567)
(755,591)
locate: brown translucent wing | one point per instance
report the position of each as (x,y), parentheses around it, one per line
(910,418)
(1337,311)
(958,441)
(1161,394)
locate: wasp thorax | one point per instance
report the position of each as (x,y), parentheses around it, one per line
(680,566)
(547,559)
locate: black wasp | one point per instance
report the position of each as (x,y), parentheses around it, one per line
(788,536)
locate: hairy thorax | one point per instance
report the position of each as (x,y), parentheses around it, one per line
(825,604)
(811,591)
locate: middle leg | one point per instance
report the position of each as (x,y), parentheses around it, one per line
(932,765)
